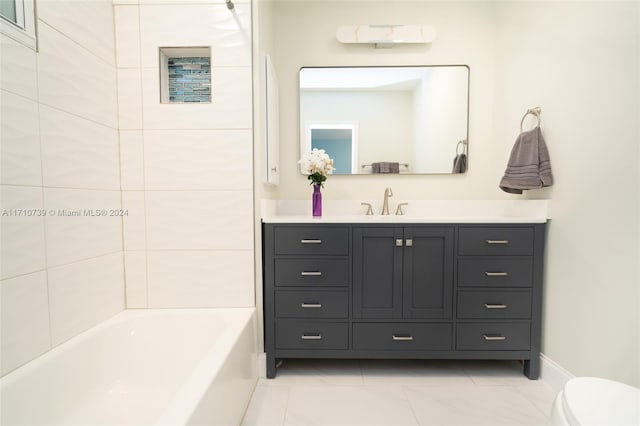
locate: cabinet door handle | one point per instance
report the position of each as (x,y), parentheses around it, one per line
(311,336)
(399,242)
(495,306)
(311,273)
(402,338)
(493,338)
(496,274)
(409,242)
(311,305)
(312,241)
(497,241)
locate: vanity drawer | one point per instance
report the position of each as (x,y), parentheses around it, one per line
(295,334)
(311,240)
(312,272)
(312,304)
(496,336)
(401,336)
(494,304)
(495,271)
(495,241)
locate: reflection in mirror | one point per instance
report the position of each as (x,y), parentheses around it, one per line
(407,120)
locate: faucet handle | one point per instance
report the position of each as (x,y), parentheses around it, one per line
(399,210)
(369,208)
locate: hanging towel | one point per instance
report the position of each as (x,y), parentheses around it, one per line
(529,166)
(385,167)
(460,163)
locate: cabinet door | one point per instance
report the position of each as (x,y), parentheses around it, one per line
(377,272)
(428,273)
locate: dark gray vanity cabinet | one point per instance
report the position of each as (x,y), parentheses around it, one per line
(452,291)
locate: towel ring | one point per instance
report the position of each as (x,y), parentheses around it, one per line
(464,146)
(533,111)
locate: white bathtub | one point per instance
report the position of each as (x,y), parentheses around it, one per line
(141,367)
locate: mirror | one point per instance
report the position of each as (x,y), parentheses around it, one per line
(391,119)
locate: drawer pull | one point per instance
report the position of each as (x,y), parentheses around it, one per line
(312,241)
(311,273)
(493,338)
(311,337)
(311,305)
(402,338)
(496,274)
(497,241)
(495,306)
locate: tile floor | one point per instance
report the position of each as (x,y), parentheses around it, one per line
(399,392)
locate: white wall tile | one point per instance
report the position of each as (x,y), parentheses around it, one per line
(82,294)
(22,238)
(228,33)
(20,143)
(134,228)
(89,23)
(78,153)
(198,159)
(183,220)
(24,320)
(131,160)
(127,23)
(19,71)
(74,80)
(129,98)
(135,267)
(72,238)
(200,278)
(230,106)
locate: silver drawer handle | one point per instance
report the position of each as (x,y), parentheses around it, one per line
(496,274)
(311,273)
(493,338)
(310,241)
(311,305)
(311,337)
(497,241)
(402,338)
(495,306)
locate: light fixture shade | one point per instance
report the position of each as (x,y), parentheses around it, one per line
(386,35)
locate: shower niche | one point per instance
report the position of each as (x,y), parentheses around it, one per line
(185,75)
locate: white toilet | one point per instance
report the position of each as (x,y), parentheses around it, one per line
(593,401)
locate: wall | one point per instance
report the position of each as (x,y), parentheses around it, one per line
(582,69)
(187,171)
(61,267)
(580,62)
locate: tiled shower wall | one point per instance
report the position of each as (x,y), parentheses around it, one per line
(187,173)
(61,268)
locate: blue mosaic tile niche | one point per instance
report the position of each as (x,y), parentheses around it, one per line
(189,79)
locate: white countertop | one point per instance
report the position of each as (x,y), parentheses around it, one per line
(417,211)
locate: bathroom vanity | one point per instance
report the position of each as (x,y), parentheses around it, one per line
(397,288)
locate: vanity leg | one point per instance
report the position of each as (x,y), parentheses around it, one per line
(532,368)
(271,366)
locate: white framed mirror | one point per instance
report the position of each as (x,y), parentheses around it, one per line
(411,118)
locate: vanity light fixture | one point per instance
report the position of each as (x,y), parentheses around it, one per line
(385,36)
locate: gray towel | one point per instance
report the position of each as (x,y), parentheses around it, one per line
(459,164)
(529,166)
(385,167)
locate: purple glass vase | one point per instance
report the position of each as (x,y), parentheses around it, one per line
(316,201)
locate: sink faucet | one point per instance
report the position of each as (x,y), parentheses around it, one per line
(385,206)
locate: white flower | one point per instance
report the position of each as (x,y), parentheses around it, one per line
(317,165)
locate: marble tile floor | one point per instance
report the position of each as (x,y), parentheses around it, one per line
(399,392)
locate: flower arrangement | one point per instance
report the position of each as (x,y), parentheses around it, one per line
(317,165)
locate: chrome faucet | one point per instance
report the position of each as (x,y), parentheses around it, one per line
(385,206)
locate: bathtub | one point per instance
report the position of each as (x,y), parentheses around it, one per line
(141,367)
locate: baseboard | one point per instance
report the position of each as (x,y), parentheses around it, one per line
(553,373)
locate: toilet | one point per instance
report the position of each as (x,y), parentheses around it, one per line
(594,401)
